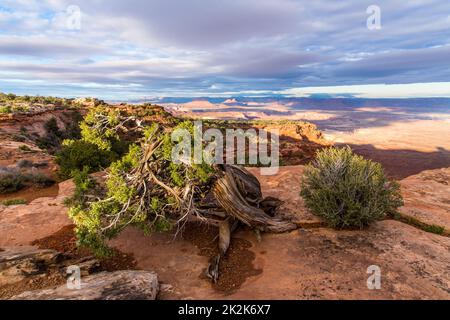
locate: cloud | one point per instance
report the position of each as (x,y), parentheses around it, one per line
(182,46)
(413,90)
(396,62)
(45,47)
(261,62)
(196,24)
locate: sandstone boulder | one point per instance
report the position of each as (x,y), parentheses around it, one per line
(19,263)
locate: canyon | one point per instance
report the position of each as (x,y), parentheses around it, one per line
(312,262)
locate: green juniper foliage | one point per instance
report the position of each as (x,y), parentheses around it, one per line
(128,197)
(347,190)
(98,128)
(83,186)
(75,155)
(98,147)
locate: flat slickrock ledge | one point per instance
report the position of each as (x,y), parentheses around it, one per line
(427,198)
(119,285)
(21,225)
(286,186)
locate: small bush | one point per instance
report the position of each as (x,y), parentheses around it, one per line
(11,182)
(39,179)
(20,108)
(53,137)
(347,190)
(19,138)
(72,125)
(51,125)
(13,202)
(24,163)
(5,109)
(76,155)
(25,148)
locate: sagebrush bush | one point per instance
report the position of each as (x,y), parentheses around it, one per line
(347,190)
(24,163)
(39,179)
(11,182)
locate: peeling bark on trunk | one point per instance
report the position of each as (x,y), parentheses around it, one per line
(238,193)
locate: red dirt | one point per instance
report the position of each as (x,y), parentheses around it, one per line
(235,267)
(52,278)
(65,241)
(32,193)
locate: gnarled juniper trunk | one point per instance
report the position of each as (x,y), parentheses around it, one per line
(238,193)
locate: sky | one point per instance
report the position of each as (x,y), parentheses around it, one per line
(119,50)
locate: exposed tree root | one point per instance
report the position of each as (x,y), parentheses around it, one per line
(238,193)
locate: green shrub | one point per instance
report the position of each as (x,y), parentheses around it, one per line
(14,180)
(25,163)
(76,155)
(11,182)
(72,124)
(99,144)
(13,202)
(51,126)
(5,109)
(19,108)
(98,127)
(11,96)
(83,184)
(25,148)
(53,136)
(347,190)
(39,179)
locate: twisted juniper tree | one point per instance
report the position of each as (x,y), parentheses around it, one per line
(146,188)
